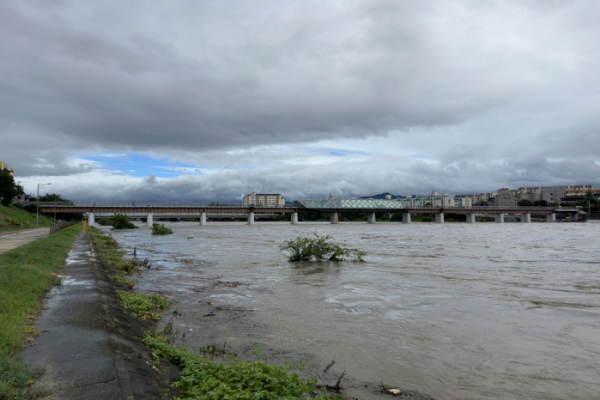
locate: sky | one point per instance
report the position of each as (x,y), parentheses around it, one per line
(206,100)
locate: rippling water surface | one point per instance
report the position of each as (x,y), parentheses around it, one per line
(456,311)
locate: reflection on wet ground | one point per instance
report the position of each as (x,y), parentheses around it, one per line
(456,311)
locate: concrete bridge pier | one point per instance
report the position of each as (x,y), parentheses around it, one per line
(371,218)
(439,218)
(91,219)
(526,218)
(334,218)
(149,220)
(406,218)
(551,218)
(251,218)
(470,218)
(202,219)
(294,218)
(500,218)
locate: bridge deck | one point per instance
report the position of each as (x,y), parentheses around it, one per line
(192,209)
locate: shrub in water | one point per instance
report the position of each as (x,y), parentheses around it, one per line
(160,229)
(318,249)
(121,221)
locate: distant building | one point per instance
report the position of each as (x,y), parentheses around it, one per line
(433,200)
(6,167)
(264,200)
(553,194)
(505,200)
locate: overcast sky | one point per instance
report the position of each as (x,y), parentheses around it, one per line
(207,100)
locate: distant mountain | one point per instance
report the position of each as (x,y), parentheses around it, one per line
(382,196)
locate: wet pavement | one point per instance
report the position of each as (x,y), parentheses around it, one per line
(88,346)
(13,240)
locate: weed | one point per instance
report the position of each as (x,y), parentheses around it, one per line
(160,229)
(109,251)
(318,249)
(122,280)
(206,379)
(15,379)
(143,306)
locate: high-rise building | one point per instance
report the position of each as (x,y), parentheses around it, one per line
(6,167)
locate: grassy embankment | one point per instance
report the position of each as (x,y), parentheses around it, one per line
(25,275)
(14,215)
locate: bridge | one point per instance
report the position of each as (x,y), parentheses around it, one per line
(330,206)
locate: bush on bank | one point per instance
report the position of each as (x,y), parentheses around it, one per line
(25,275)
(318,249)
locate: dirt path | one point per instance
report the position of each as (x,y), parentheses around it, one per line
(13,240)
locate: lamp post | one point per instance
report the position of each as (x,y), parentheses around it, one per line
(37,208)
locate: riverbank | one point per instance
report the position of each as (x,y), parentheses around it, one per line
(210,371)
(89,345)
(26,273)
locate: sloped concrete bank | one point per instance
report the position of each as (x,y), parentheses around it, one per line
(89,345)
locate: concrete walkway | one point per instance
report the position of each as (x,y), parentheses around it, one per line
(88,347)
(12,240)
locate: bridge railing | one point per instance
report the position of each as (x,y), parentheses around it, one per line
(483,208)
(166,205)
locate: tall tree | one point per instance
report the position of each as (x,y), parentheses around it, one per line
(9,189)
(52,197)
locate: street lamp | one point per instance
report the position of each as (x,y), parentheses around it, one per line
(37,208)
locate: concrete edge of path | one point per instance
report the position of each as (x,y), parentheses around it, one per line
(89,346)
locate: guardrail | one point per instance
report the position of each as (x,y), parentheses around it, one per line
(60,225)
(291,205)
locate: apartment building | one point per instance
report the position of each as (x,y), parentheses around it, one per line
(434,199)
(264,200)
(6,167)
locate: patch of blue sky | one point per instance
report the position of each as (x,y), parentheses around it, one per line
(142,165)
(333,152)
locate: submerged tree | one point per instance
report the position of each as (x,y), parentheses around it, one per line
(318,249)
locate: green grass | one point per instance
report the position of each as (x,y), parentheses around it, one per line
(25,274)
(24,218)
(109,251)
(202,378)
(143,306)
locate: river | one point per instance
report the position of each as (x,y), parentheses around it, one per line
(455,311)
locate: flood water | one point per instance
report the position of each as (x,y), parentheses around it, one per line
(455,311)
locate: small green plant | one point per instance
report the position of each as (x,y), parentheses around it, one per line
(16,378)
(143,306)
(122,280)
(318,249)
(203,378)
(160,229)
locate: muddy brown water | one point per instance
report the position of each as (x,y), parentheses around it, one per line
(456,311)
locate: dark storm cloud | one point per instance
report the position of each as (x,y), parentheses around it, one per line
(508,88)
